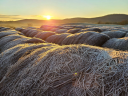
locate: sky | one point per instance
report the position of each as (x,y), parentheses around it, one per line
(59,9)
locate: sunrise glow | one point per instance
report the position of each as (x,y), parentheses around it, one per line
(48,17)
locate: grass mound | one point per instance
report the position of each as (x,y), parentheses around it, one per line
(12,55)
(114,34)
(33,33)
(117,43)
(57,38)
(9,38)
(72,70)
(75,30)
(4,29)
(44,35)
(91,38)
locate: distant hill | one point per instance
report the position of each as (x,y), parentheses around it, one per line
(107,18)
(112,18)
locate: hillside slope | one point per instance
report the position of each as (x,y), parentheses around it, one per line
(106,18)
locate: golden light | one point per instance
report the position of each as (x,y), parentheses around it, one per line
(48,17)
(75,74)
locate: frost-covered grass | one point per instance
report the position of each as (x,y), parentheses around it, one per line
(47,69)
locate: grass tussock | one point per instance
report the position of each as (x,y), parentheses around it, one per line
(68,70)
(33,67)
(117,43)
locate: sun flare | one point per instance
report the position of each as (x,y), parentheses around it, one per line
(48,17)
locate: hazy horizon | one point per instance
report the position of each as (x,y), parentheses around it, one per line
(12,10)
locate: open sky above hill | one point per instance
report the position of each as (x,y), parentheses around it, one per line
(59,9)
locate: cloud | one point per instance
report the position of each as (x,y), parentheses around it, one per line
(8,16)
(18,17)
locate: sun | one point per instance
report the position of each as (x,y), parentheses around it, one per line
(48,17)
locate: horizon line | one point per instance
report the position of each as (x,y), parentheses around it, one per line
(63,18)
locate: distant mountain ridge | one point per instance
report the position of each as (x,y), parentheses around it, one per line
(106,18)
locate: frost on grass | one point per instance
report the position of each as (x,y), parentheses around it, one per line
(12,55)
(117,43)
(91,38)
(73,70)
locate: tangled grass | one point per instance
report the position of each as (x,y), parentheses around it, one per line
(46,69)
(114,34)
(68,71)
(117,43)
(91,38)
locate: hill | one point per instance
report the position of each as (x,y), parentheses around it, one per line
(107,18)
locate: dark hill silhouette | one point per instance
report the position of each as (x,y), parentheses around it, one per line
(112,18)
(107,18)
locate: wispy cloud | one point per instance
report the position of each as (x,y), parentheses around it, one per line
(10,17)
(18,17)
